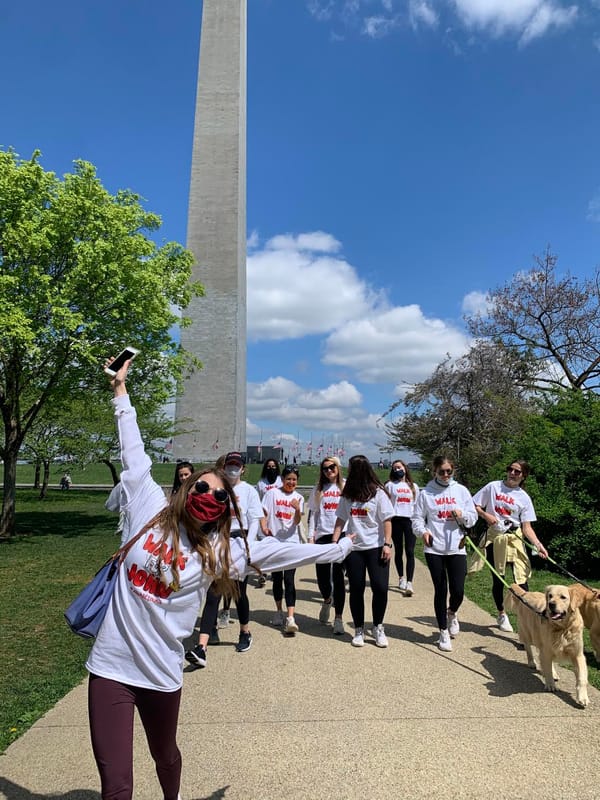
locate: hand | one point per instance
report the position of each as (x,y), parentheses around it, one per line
(541,550)
(295,503)
(457,513)
(386,554)
(118,381)
(427,539)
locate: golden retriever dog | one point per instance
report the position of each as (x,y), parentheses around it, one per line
(556,632)
(588,602)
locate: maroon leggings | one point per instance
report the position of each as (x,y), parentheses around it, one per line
(110,706)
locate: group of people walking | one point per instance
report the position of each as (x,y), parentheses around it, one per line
(204,540)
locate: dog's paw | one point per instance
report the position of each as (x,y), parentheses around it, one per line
(582,699)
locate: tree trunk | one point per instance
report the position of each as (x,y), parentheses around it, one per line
(113,470)
(11,454)
(45,479)
(36,476)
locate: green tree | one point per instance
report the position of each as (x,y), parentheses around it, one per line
(79,279)
(553,319)
(467,409)
(562,445)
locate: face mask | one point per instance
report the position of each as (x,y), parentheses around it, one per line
(271,474)
(204,507)
(443,480)
(398,474)
(233,473)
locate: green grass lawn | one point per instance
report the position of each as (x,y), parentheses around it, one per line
(60,543)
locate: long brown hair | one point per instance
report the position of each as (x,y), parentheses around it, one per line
(362,482)
(176,514)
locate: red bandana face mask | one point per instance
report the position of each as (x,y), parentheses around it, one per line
(204,507)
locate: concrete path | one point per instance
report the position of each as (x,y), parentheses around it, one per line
(312,718)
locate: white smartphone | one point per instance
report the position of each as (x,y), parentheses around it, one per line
(116,364)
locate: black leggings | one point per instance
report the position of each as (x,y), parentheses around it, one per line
(358,563)
(331,574)
(447,572)
(111,705)
(284,578)
(403,537)
(497,585)
(208,620)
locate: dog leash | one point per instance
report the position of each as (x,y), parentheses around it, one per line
(562,569)
(502,580)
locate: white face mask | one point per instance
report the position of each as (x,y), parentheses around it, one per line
(233,473)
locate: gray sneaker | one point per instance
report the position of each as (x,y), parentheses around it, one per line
(338,626)
(325,613)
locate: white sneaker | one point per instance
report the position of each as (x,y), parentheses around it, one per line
(504,622)
(358,640)
(338,626)
(408,592)
(223,619)
(325,613)
(444,642)
(402,585)
(290,628)
(380,637)
(278,618)
(453,626)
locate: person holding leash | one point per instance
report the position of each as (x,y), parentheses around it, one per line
(138,656)
(508,512)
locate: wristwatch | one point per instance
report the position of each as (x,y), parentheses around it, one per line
(388,544)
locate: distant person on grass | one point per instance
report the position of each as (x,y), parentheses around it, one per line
(138,656)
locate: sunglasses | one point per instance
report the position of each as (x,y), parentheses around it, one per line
(514,471)
(289,471)
(220,495)
(445,471)
(330,468)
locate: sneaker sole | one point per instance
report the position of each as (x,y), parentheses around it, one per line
(194,661)
(378,644)
(243,649)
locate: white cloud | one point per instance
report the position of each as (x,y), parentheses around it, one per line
(399,345)
(301,285)
(593,209)
(420,12)
(379,26)
(527,18)
(297,287)
(475,303)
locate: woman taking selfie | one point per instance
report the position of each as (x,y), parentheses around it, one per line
(137,658)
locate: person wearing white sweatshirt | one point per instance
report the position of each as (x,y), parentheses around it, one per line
(441,506)
(138,656)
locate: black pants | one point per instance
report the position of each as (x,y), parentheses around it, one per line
(358,563)
(285,579)
(208,620)
(447,572)
(404,539)
(497,585)
(329,575)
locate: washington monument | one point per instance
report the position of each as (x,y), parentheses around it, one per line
(213,404)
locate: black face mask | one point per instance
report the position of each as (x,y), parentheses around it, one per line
(398,473)
(271,474)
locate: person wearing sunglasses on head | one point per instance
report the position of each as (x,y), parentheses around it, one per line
(283,509)
(184,546)
(441,505)
(322,513)
(508,512)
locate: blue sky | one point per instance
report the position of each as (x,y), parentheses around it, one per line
(404,156)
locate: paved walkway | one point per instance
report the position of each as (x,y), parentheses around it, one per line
(312,717)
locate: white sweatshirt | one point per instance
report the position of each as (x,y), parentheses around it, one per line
(140,641)
(433,513)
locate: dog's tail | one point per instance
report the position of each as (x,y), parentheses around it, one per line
(511,602)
